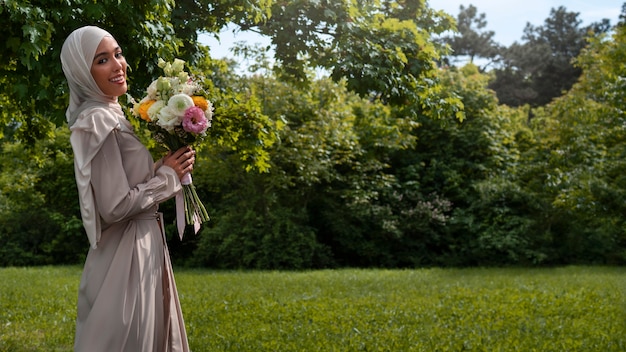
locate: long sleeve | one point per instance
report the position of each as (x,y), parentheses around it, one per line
(119,194)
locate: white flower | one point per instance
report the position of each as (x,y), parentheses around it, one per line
(209,117)
(155,109)
(178,65)
(177,87)
(167,69)
(168,119)
(152,90)
(179,103)
(137,104)
(209,112)
(190,88)
(183,76)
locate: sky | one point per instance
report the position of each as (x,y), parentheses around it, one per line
(507,18)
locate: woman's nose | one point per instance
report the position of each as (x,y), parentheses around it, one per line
(119,63)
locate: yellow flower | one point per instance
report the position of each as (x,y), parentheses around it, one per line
(200,102)
(143,110)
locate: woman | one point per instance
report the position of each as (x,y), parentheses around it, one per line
(127,296)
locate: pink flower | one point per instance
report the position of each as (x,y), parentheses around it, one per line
(195,121)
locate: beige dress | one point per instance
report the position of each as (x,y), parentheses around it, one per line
(127,296)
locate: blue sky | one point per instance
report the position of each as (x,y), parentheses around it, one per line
(507,18)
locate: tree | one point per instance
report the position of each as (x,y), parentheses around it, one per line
(541,68)
(586,131)
(382,49)
(622,16)
(191,17)
(38,222)
(471,39)
(450,208)
(326,158)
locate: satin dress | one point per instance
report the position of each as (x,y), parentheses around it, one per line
(127,298)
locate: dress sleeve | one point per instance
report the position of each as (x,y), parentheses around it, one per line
(115,199)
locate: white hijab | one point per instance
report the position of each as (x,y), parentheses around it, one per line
(91,116)
(77,55)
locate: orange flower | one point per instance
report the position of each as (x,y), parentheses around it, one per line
(200,102)
(143,110)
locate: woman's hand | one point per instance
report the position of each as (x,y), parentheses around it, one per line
(181,161)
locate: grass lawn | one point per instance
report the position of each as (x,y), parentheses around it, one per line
(558,309)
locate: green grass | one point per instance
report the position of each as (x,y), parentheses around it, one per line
(560,309)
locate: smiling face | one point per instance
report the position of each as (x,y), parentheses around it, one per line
(109,68)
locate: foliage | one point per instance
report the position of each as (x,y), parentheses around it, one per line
(446,169)
(191,17)
(382,49)
(584,132)
(330,142)
(38,225)
(540,69)
(390,161)
(558,309)
(470,38)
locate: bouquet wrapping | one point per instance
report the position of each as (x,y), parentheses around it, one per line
(178,115)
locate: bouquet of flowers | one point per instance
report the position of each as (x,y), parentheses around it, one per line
(178,115)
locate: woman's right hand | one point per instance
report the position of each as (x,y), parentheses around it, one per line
(181,161)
